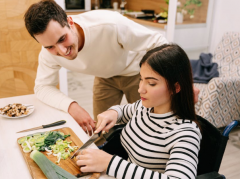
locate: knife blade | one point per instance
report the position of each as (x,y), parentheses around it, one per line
(45,126)
(86,144)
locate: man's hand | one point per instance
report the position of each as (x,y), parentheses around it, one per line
(82,117)
(195,93)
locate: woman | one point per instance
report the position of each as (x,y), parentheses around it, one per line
(162,137)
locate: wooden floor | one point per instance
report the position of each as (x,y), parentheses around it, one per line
(80,89)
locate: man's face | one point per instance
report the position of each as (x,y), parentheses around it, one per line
(60,41)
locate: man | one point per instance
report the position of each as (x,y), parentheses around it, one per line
(100,43)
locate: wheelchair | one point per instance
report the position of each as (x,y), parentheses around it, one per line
(211,152)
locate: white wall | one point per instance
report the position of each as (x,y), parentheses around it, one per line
(226,17)
(223,16)
(194,38)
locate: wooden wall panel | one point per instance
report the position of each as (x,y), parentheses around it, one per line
(158,5)
(138,5)
(200,15)
(18,50)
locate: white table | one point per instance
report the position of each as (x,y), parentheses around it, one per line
(12,163)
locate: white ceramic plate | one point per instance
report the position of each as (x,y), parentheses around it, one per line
(162,21)
(29,106)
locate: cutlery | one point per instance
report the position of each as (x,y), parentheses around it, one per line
(107,136)
(86,144)
(45,126)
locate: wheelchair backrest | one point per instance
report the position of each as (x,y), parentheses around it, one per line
(212,148)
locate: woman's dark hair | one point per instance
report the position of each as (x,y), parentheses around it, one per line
(171,62)
(40,14)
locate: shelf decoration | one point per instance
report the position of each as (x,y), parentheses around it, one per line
(187,7)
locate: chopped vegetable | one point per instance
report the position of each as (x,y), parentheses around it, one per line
(53,137)
(51,141)
(26,144)
(48,150)
(27,149)
(35,148)
(31,141)
(49,153)
(23,139)
(29,146)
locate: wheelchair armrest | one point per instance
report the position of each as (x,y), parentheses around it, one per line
(229,127)
(117,129)
(113,144)
(211,175)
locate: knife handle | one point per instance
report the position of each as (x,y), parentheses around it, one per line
(54,124)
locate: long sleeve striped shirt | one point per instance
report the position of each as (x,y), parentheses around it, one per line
(158,145)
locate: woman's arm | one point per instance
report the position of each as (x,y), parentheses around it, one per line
(115,114)
(94,160)
(125,112)
(183,159)
(183,149)
(182,162)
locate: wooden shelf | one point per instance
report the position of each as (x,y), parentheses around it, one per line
(146,22)
(140,21)
(75,13)
(153,24)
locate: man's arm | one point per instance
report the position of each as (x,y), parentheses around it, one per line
(135,37)
(82,117)
(46,91)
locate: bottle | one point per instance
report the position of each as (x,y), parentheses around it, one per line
(115,6)
(122,6)
(96,4)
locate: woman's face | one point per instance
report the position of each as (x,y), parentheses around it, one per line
(154,91)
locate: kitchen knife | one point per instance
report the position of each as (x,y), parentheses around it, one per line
(45,126)
(86,144)
(107,136)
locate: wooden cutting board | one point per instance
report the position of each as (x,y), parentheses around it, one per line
(68,164)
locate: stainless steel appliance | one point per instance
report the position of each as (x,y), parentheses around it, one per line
(75,5)
(105,4)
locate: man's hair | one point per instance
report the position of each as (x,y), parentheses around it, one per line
(171,62)
(40,14)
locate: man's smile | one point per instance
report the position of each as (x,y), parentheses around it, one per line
(68,51)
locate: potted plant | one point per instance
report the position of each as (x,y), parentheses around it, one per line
(187,7)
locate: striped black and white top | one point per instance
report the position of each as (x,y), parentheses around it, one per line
(158,145)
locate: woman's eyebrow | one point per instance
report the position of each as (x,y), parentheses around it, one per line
(151,78)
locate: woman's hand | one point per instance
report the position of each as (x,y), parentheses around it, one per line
(106,120)
(93,160)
